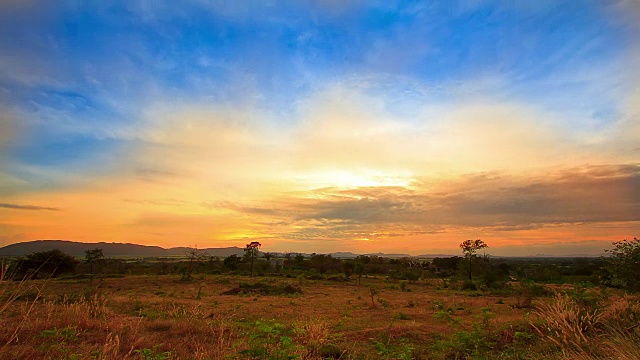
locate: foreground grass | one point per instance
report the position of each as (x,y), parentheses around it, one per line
(162,317)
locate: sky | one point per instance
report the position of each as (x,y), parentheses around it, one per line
(322,125)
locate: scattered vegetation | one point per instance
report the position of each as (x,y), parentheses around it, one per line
(54,306)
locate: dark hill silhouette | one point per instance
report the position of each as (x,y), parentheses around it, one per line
(109,249)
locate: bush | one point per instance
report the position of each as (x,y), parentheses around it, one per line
(621,268)
(527,292)
(468,344)
(468,285)
(50,263)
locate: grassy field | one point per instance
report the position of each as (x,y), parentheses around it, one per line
(165,317)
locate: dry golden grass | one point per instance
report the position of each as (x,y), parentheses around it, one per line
(582,332)
(568,324)
(126,318)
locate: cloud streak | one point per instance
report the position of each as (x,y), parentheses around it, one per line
(28,207)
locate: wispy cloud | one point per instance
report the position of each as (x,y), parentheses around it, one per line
(28,207)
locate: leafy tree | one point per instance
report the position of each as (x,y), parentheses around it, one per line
(621,268)
(347,268)
(469,249)
(52,263)
(363,258)
(231,262)
(92,257)
(251,252)
(320,262)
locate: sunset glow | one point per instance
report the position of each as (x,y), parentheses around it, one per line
(322,126)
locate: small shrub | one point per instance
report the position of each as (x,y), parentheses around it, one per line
(154,354)
(468,285)
(271,340)
(373,291)
(527,292)
(388,350)
(403,285)
(385,304)
(471,344)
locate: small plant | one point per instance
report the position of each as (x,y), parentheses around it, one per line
(445,315)
(60,335)
(411,303)
(271,340)
(438,305)
(385,304)
(473,344)
(401,351)
(154,353)
(521,337)
(486,316)
(200,293)
(373,291)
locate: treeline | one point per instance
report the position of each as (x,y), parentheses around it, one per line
(488,271)
(475,272)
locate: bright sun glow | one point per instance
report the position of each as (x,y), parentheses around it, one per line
(354,179)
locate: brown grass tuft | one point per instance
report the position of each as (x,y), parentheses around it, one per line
(568,324)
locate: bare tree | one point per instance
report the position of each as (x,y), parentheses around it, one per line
(195,256)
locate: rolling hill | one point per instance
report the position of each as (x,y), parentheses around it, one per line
(109,249)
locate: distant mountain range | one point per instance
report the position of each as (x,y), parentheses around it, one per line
(109,249)
(126,249)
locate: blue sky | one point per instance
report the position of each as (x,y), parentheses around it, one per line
(83,84)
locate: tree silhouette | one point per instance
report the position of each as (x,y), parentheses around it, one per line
(320,261)
(348,267)
(469,249)
(231,262)
(52,263)
(251,252)
(195,256)
(92,257)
